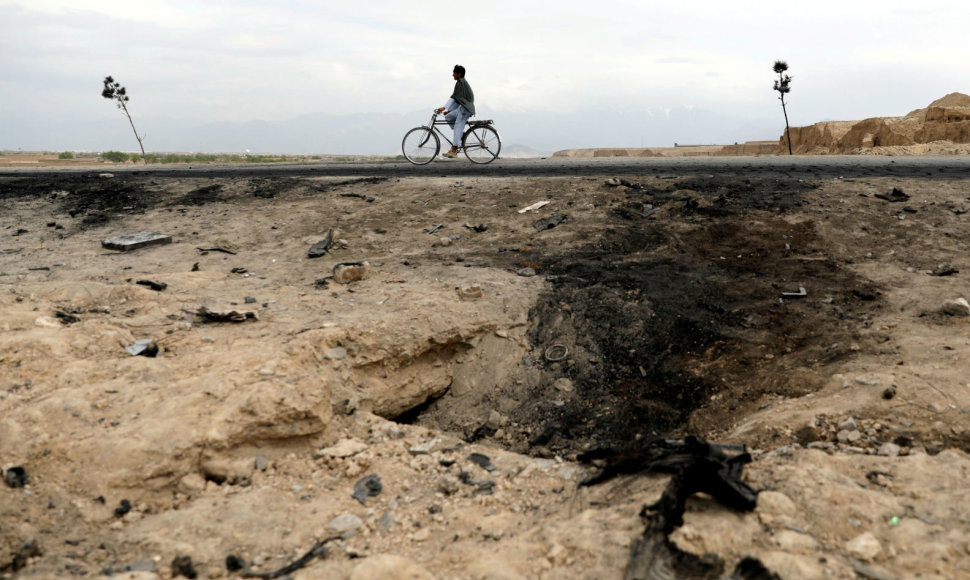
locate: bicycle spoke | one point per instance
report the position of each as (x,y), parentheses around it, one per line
(420,145)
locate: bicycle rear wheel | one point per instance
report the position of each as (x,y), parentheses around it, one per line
(420,146)
(481,144)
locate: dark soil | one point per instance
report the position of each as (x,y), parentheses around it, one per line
(676,326)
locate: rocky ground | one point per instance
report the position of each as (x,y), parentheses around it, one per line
(435,418)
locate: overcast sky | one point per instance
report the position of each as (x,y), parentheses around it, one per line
(189,63)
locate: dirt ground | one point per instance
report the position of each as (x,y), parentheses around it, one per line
(486,354)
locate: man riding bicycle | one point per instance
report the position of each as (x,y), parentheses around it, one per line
(460,106)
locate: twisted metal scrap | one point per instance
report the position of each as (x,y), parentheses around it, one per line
(696,466)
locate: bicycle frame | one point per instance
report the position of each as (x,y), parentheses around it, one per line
(434,123)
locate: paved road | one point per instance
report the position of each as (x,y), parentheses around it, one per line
(797,167)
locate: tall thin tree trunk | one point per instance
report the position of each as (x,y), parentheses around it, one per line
(787,129)
(144,158)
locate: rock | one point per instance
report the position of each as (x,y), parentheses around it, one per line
(526,272)
(144,347)
(366,487)
(344,523)
(792,541)
(336,353)
(448,485)
(425,448)
(864,547)
(889,449)
(776,503)
(848,425)
(444,241)
(15,476)
(549,222)
(563,385)
(944,269)
(471,293)
(482,460)
(322,247)
(156,286)
(958,307)
(227,315)
(182,566)
(46,322)
(386,522)
(344,448)
(191,484)
(348,272)
(128,242)
(231,470)
(846,436)
(385,566)
(495,420)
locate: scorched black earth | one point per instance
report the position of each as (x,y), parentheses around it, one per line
(671,326)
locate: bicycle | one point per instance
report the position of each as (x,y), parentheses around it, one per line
(480,142)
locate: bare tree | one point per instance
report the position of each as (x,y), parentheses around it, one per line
(114,91)
(783,86)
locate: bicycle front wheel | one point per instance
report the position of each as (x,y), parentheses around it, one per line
(481,144)
(420,146)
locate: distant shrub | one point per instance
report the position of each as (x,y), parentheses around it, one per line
(114,156)
(66,155)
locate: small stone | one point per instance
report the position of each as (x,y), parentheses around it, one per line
(448,485)
(191,483)
(958,307)
(386,522)
(336,353)
(46,322)
(526,272)
(348,272)
(425,448)
(563,385)
(182,566)
(344,523)
(470,293)
(889,449)
(848,425)
(344,448)
(366,487)
(421,535)
(495,420)
(444,241)
(144,347)
(864,547)
(15,477)
(846,436)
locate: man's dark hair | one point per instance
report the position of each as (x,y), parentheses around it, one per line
(460,70)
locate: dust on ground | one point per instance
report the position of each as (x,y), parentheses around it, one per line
(803,319)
